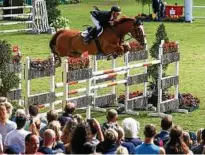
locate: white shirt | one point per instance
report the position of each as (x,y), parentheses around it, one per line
(16,137)
(6,128)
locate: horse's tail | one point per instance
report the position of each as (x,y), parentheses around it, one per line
(52,45)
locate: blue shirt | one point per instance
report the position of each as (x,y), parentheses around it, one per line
(147,149)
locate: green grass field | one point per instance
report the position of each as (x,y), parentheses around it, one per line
(191,39)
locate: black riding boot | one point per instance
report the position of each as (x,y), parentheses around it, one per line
(90,36)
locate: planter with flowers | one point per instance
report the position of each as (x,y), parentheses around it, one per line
(170,52)
(189,102)
(137,52)
(78,68)
(41,68)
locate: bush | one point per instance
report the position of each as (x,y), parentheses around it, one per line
(60,23)
(9,80)
(53,12)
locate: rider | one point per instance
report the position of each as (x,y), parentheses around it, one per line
(102,19)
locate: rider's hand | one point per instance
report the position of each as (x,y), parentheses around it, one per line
(111,23)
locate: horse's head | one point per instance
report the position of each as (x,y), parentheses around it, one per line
(137,31)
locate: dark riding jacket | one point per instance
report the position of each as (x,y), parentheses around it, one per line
(104,17)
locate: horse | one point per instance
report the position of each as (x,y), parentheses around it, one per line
(71,43)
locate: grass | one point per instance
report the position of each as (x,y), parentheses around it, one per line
(191,40)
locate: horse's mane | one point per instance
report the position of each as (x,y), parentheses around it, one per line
(123,19)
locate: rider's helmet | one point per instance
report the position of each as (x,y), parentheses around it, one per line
(115,8)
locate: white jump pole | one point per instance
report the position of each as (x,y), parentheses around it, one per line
(188,10)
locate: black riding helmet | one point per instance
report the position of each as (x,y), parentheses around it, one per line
(115,8)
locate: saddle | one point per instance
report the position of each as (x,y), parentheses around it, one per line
(91,33)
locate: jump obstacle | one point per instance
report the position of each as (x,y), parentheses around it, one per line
(92,77)
(37,19)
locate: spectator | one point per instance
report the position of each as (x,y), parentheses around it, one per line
(69,109)
(110,145)
(66,135)
(78,118)
(31,144)
(1,145)
(122,150)
(52,115)
(112,117)
(199,136)
(95,130)
(34,117)
(12,149)
(79,137)
(49,140)
(5,124)
(131,128)
(9,108)
(58,146)
(193,138)
(166,124)
(176,144)
(199,149)
(3,99)
(34,127)
(148,147)
(17,136)
(89,148)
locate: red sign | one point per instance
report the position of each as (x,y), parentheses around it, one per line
(174,11)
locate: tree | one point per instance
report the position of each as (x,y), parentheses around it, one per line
(53,12)
(143,3)
(9,80)
(161,34)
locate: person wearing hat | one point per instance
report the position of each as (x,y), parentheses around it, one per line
(102,19)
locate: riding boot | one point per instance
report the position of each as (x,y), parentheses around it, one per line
(90,36)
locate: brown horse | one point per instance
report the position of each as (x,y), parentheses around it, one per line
(70,42)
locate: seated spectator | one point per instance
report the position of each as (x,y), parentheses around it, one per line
(166,124)
(49,140)
(31,144)
(109,145)
(95,130)
(17,136)
(112,117)
(131,129)
(176,144)
(199,149)
(34,117)
(148,147)
(79,137)
(66,135)
(52,115)
(5,124)
(122,150)
(58,146)
(69,109)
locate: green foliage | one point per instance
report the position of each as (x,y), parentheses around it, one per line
(53,12)
(161,34)
(60,22)
(9,79)
(143,2)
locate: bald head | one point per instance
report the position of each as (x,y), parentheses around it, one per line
(49,138)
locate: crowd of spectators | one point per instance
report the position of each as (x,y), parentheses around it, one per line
(70,133)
